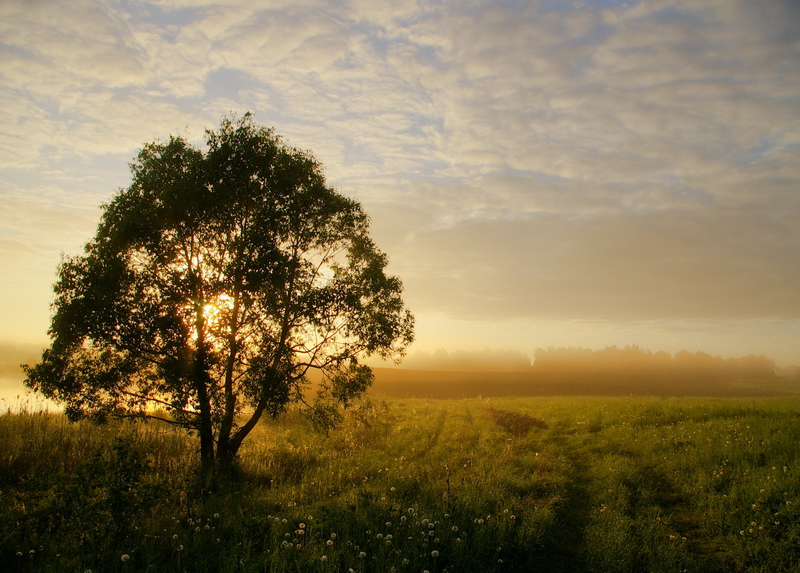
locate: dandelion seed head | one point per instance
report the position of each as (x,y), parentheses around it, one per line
(434,554)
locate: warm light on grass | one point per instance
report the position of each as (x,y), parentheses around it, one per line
(584,484)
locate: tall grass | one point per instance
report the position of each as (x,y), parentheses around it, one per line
(517,484)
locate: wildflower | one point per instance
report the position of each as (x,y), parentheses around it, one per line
(361,555)
(302,526)
(324,558)
(333,536)
(125,558)
(216,516)
(180,547)
(175,536)
(454,528)
(329,542)
(434,554)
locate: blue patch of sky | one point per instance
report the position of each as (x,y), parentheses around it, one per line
(755,153)
(152,13)
(567,5)
(673,14)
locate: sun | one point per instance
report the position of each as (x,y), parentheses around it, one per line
(217,311)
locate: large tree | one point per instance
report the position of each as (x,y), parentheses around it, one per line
(215,284)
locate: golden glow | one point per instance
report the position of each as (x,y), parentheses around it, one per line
(215,312)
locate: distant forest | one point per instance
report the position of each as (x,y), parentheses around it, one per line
(611,360)
(612,371)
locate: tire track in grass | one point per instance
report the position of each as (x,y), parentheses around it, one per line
(563,545)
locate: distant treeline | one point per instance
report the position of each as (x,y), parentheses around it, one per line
(636,361)
(628,361)
(469,361)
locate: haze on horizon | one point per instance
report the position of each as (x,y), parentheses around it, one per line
(544,173)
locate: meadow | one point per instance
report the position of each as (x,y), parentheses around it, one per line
(598,484)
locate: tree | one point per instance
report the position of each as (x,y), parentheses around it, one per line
(216,282)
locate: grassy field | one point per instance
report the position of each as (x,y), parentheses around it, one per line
(504,484)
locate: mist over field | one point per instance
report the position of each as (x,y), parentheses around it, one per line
(552,372)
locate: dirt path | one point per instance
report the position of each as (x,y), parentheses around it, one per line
(563,545)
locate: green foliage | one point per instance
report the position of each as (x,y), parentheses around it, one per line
(610,485)
(214,284)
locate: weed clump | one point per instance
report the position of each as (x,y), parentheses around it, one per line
(515,423)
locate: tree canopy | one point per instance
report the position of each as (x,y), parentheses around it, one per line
(216,282)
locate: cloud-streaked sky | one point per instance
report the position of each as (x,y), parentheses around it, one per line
(541,173)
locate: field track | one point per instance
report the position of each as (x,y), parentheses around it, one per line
(611,484)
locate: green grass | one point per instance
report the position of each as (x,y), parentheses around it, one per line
(507,484)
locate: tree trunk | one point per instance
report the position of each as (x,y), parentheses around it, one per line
(205,426)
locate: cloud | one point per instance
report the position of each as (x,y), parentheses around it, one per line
(662,265)
(605,159)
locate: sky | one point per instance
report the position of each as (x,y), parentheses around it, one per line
(540,173)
